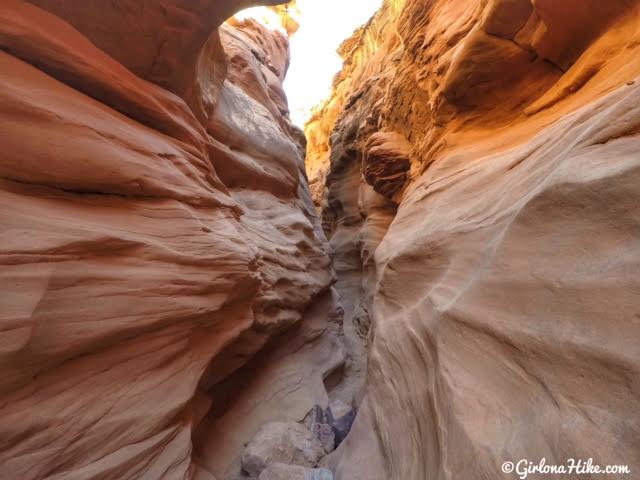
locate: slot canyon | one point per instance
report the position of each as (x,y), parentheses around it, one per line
(438,275)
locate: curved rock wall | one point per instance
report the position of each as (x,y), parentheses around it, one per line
(157,235)
(501,278)
(167,287)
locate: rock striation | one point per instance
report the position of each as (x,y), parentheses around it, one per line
(163,268)
(478,171)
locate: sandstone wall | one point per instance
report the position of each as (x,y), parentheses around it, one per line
(165,286)
(482,174)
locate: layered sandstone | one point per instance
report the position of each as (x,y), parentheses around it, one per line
(163,269)
(167,306)
(499,273)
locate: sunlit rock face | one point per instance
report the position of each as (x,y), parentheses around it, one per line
(503,293)
(285,18)
(165,285)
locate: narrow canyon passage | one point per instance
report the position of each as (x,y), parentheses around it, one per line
(229,253)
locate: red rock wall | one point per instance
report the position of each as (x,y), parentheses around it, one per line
(501,279)
(156,233)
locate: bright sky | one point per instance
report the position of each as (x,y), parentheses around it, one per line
(324,25)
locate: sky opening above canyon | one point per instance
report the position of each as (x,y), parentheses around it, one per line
(324,25)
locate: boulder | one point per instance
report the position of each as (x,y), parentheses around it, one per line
(281,471)
(281,442)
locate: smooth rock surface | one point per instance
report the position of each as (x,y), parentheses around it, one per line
(503,293)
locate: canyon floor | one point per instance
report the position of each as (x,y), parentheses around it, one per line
(438,279)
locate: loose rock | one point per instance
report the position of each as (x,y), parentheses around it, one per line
(281,442)
(280,471)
